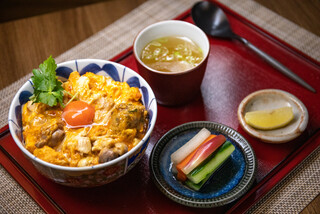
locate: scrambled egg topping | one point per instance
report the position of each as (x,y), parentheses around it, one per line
(120,122)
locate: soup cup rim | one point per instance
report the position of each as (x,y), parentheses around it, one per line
(171,72)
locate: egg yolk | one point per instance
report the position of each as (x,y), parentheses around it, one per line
(78,113)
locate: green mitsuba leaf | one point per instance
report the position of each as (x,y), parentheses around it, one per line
(47,88)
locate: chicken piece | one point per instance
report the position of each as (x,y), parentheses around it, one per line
(82,86)
(84,144)
(106,155)
(87,161)
(56,138)
(103,143)
(103,110)
(128,116)
(112,152)
(120,148)
(50,135)
(104,103)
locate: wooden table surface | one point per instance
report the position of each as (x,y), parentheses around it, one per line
(32,30)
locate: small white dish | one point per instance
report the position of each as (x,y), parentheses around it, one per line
(272,99)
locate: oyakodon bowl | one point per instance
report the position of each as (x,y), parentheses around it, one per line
(98,174)
(173,88)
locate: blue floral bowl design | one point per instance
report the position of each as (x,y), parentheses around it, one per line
(99,174)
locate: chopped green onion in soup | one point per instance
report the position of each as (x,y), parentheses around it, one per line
(172,54)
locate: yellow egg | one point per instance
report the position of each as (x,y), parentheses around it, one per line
(269,119)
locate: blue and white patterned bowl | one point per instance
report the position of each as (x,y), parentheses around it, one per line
(99,174)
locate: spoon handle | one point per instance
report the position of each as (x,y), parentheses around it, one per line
(277,65)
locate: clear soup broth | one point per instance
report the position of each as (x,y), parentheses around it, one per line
(172,54)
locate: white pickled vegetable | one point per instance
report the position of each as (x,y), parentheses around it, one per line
(190,146)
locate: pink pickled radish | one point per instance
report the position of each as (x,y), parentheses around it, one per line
(190,146)
(203,152)
(180,175)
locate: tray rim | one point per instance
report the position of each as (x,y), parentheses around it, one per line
(272,176)
(279,173)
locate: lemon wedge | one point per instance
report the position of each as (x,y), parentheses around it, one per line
(269,119)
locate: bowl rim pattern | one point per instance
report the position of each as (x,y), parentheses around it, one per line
(78,63)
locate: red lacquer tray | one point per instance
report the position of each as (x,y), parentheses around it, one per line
(232,73)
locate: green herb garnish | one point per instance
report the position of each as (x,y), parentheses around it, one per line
(47,88)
